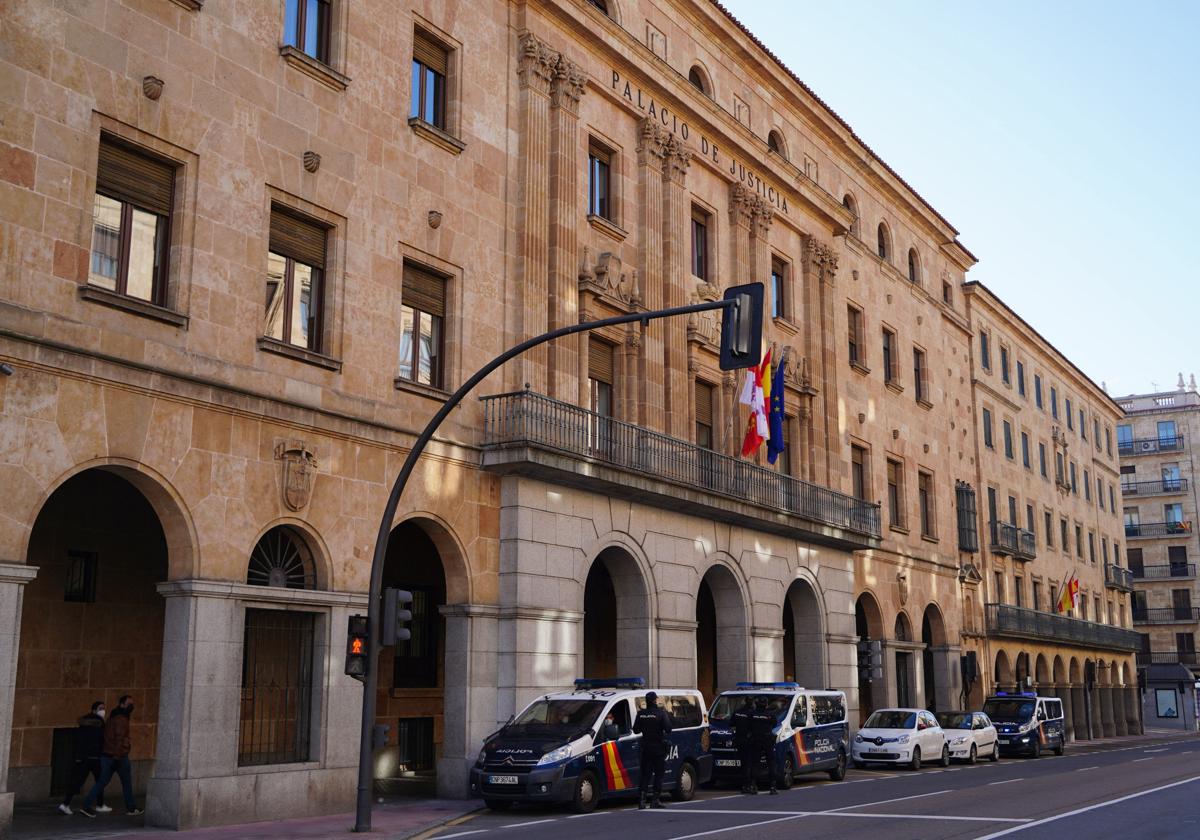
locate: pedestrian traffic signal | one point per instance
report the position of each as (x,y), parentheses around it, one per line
(395,615)
(741,327)
(357,647)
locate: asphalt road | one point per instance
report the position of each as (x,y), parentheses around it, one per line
(1150,790)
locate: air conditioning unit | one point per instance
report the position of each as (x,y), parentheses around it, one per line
(1147,446)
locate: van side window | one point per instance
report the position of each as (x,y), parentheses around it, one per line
(828,709)
(800,713)
(684,710)
(620,713)
(1041,712)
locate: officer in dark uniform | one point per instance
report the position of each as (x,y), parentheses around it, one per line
(741,739)
(762,741)
(653,724)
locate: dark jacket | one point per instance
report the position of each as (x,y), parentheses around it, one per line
(609,732)
(762,722)
(741,725)
(116,734)
(89,737)
(653,725)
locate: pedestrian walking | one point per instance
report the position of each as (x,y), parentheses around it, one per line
(114,758)
(741,740)
(89,742)
(653,724)
(762,740)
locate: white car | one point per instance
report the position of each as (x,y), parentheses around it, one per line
(900,736)
(971,735)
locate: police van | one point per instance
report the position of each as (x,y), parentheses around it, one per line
(811,736)
(1026,723)
(559,748)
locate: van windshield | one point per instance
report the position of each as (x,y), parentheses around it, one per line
(565,716)
(728,704)
(1009,710)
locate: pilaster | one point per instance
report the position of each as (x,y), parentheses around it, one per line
(471,698)
(13,577)
(741,220)
(676,271)
(821,342)
(566,89)
(651,152)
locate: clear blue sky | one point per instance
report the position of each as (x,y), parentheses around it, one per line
(1060,138)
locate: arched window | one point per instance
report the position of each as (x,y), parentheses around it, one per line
(699,80)
(601,5)
(850,204)
(885,242)
(281,559)
(914,266)
(775,143)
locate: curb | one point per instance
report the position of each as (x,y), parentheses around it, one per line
(421,832)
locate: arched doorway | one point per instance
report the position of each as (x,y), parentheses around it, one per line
(868,625)
(1041,674)
(904,670)
(616,618)
(1023,672)
(1002,675)
(803,636)
(721,633)
(412,683)
(934,666)
(91,626)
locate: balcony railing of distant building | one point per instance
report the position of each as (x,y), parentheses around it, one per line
(1149,530)
(1013,541)
(527,419)
(1167,657)
(1154,488)
(1021,622)
(1164,571)
(1118,577)
(1166,615)
(1150,446)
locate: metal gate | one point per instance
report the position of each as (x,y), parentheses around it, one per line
(277,665)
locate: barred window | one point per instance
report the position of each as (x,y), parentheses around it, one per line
(277,679)
(968,516)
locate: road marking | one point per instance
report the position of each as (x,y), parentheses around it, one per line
(523,824)
(886,801)
(1007,781)
(595,814)
(841,813)
(733,828)
(1077,811)
(1082,769)
(461,834)
(1164,749)
(1136,760)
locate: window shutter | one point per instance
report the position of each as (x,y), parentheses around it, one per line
(130,176)
(298,239)
(704,404)
(600,361)
(430,53)
(424,290)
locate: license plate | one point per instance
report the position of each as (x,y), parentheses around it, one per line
(1003,740)
(728,762)
(873,752)
(502,780)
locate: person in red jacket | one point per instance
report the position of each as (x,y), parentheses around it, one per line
(114,758)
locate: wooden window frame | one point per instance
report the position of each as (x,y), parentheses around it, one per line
(927,504)
(896,502)
(421,273)
(422,68)
(324,25)
(921,376)
(700,243)
(319,294)
(600,173)
(780,276)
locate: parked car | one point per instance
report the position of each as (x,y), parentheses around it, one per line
(1026,723)
(900,736)
(971,735)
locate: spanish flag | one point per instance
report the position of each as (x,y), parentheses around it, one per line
(618,776)
(1068,599)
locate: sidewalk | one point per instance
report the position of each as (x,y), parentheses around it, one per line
(394,821)
(1151,736)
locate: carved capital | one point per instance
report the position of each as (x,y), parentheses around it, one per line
(536,64)
(763,216)
(678,158)
(633,337)
(652,142)
(566,88)
(821,260)
(741,204)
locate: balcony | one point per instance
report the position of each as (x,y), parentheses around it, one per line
(1165,571)
(1150,530)
(1013,541)
(1150,446)
(1166,615)
(534,435)
(1166,657)
(1023,623)
(1118,577)
(1154,488)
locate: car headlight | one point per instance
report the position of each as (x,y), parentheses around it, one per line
(962,739)
(903,739)
(482,758)
(560,754)
(858,739)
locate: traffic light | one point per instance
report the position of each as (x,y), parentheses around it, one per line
(741,327)
(395,613)
(357,647)
(864,660)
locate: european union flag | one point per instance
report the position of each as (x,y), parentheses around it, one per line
(776,443)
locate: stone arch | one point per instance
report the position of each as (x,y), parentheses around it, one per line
(1074,672)
(1041,671)
(936,663)
(868,618)
(883,242)
(608,8)
(701,79)
(1022,669)
(1002,673)
(456,567)
(317,550)
(722,628)
(932,619)
(1125,675)
(776,143)
(1059,673)
(804,634)
(851,204)
(914,266)
(902,629)
(617,617)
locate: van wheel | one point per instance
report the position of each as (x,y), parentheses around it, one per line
(686,788)
(839,770)
(586,796)
(1061,748)
(915,764)
(787,773)
(945,756)
(973,757)
(497,804)
(1037,749)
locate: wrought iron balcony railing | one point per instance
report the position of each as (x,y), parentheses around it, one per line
(1166,615)
(1024,623)
(1164,571)
(1013,541)
(1154,488)
(1167,657)
(1118,577)
(527,419)
(1146,530)
(1149,446)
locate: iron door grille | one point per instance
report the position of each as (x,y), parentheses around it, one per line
(415,739)
(277,665)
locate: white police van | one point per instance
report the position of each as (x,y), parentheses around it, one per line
(557,750)
(811,734)
(1027,723)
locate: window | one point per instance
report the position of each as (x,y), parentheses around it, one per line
(1053,402)
(1173,515)
(1012,510)
(1074,483)
(1021,378)
(1108,440)
(987,429)
(883,241)
(968,527)
(600,394)
(1048,518)
(889,356)
(295,281)
(699,80)
(775,143)
(1176,558)
(1070,416)
(277,680)
(1008,439)
(1042,459)
(601,5)
(1112,502)
(999,587)
(1167,438)
(1096,431)
(306,27)
(1079,542)
(704,415)
(920,375)
(1181,602)
(599,181)
(925,499)
(1087,486)
(1019,591)
(827,709)
(281,559)
(81,577)
(1059,474)
(1100,492)
(1124,439)
(422,334)
(1037,594)
(914,266)
(991,493)
(429,68)
(854,334)
(700,243)
(131,219)
(1037,390)
(947,293)
(985,351)
(779,277)
(1092,547)
(1004,372)
(1025,449)
(1064,535)
(1082,425)
(895,479)
(1104,549)
(858,472)
(850,204)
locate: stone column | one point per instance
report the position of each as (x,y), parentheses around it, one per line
(947,677)
(820,265)
(1120,727)
(1107,717)
(651,149)
(760,244)
(676,274)
(566,89)
(1063,693)
(1097,711)
(13,577)
(676,659)
(766,648)
(1079,713)
(1133,711)
(471,680)
(536,69)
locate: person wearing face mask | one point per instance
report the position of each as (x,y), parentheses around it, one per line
(114,758)
(609,731)
(89,742)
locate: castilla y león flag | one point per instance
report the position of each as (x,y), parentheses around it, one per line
(756,393)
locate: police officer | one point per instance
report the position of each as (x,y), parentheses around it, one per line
(762,740)
(653,724)
(741,739)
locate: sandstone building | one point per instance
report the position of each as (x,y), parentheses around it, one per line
(248,249)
